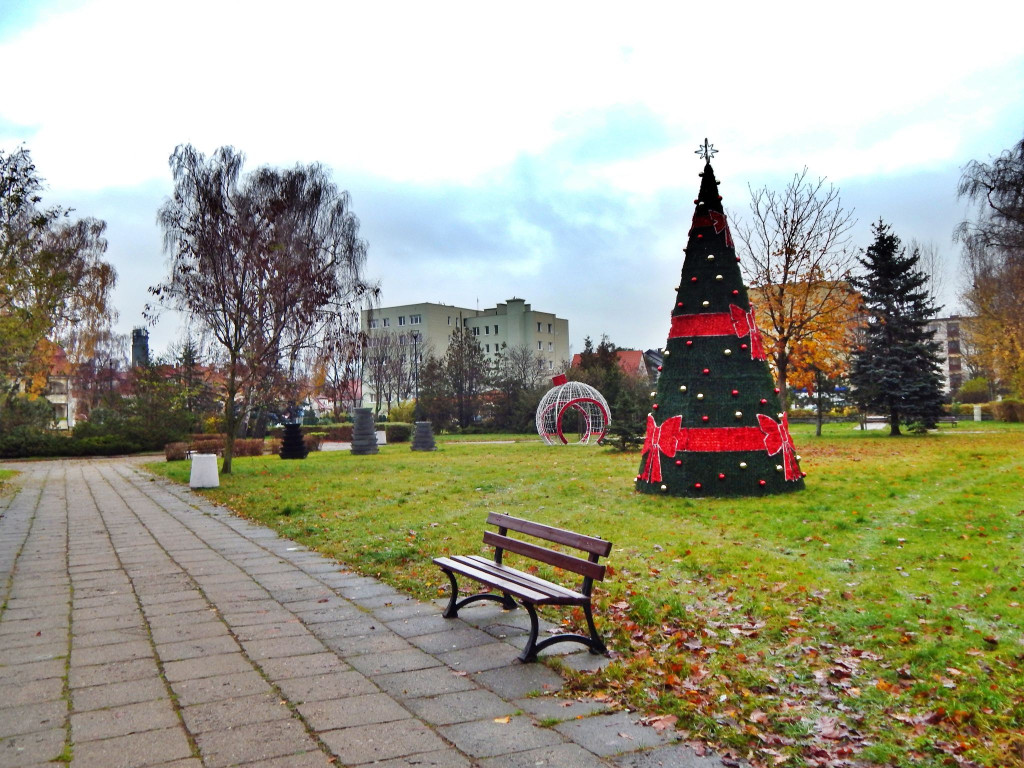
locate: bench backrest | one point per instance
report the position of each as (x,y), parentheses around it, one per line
(588,568)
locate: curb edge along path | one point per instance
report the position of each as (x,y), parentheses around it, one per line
(143,625)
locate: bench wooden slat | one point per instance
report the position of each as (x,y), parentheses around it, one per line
(545,555)
(497,582)
(590,544)
(521,577)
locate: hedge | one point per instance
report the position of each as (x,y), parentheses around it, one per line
(397,432)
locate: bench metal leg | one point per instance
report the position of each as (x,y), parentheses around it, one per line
(593,643)
(455,605)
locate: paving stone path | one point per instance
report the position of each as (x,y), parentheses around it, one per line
(141,625)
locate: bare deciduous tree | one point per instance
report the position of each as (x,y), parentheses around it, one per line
(262,262)
(797,261)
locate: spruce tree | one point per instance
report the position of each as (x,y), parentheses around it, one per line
(715,427)
(896,371)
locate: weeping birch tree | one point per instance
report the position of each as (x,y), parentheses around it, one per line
(264,262)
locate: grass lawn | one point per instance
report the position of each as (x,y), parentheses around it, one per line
(875,617)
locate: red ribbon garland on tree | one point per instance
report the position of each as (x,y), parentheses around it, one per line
(671,437)
(735,321)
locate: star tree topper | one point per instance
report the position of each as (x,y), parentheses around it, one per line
(706,151)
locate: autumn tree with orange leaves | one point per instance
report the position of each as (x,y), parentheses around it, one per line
(55,284)
(797,257)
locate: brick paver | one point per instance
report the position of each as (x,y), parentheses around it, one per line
(144,626)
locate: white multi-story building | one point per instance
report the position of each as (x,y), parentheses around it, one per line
(513,323)
(946,331)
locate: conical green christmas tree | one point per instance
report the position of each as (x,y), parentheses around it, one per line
(715,426)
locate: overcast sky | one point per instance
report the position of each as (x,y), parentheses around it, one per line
(540,150)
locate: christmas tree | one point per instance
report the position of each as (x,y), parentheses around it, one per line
(715,427)
(897,370)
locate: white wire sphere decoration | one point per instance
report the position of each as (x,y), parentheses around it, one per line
(572,396)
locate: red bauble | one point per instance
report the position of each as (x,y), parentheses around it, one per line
(689,343)
(679,462)
(693,279)
(703,418)
(721,475)
(659,367)
(697,486)
(763,401)
(654,406)
(735,393)
(743,346)
(762,483)
(706,371)
(777,390)
(735,292)
(679,304)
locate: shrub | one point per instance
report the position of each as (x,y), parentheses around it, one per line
(397,433)
(209,443)
(313,441)
(977,390)
(175,451)
(249,446)
(273,446)
(1009,409)
(402,413)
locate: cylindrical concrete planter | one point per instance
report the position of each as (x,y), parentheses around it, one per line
(364,433)
(204,471)
(423,438)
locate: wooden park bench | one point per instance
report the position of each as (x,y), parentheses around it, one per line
(510,584)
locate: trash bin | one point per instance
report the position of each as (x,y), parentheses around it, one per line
(204,471)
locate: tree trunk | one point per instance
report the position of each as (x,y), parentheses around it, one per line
(894,423)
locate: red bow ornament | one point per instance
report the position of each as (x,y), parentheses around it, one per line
(719,222)
(776,439)
(743,323)
(659,440)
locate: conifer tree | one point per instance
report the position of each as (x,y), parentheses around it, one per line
(716,427)
(896,370)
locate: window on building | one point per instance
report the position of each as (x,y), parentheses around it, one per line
(449,319)
(551,346)
(953,346)
(476,330)
(465,322)
(60,411)
(401,319)
(954,364)
(540,345)
(487,348)
(551,365)
(955,381)
(549,327)
(539,326)
(375,323)
(386,321)
(415,319)
(495,330)
(953,330)
(487,330)
(403,339)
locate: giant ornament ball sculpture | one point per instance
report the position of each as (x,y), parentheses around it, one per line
(572,397)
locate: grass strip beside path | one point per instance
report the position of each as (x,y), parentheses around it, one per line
(875,617)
